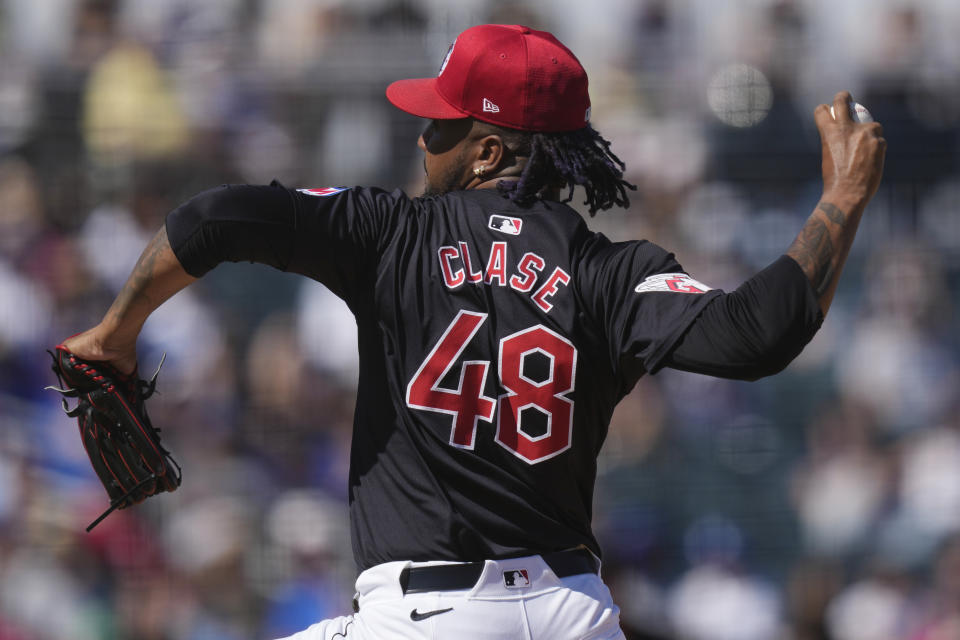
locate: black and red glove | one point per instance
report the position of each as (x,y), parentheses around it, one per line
(123,446)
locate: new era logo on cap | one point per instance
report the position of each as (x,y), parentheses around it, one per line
(489,107)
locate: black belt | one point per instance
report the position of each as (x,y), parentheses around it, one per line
(449,577)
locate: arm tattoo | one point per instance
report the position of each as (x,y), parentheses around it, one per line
(814,249)
(134,289)
(833,213)
(815,253)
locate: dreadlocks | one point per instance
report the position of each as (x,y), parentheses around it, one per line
(557,160)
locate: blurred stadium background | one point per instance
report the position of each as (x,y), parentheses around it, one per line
(823,503)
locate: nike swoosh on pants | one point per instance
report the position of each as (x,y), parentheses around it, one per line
(416,616)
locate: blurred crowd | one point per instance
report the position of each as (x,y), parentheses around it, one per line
(823,503)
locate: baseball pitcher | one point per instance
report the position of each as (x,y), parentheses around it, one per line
(497,333)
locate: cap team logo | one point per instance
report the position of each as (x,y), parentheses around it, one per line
(505,224)
(678,282)
(446,58)
(489,107)
(516,579)
(323,192)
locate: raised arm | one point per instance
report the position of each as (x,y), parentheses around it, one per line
(760,328)
(155,278)
(852,166)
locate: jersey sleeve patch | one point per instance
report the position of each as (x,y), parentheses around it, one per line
(323,191)
(677,282)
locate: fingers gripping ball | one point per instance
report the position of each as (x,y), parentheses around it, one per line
(858,113)
(123,446)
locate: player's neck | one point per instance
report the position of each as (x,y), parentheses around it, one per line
(547,193)
(492,183)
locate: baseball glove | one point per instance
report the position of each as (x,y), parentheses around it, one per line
(123,446)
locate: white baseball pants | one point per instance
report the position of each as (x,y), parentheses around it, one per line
(536,605)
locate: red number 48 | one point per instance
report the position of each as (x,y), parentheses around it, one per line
(524,395)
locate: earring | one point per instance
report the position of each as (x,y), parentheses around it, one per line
(479,171)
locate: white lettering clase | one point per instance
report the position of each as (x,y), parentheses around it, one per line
(458,268)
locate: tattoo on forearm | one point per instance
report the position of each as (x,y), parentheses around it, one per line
(834,214)
(814,251)
(814,248)
(134,289)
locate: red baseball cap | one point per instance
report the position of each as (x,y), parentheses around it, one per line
(508,75)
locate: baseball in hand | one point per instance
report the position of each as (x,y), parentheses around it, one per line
(858,112)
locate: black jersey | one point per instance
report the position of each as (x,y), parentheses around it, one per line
(495,341)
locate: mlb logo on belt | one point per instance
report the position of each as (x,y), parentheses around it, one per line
(505,224)
(323,192)
(516,579)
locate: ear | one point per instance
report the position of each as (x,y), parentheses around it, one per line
(489,151)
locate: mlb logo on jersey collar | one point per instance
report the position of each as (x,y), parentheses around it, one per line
(516,579)
(505,224)
(323,192)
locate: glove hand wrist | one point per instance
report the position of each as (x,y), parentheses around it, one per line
(103,344)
